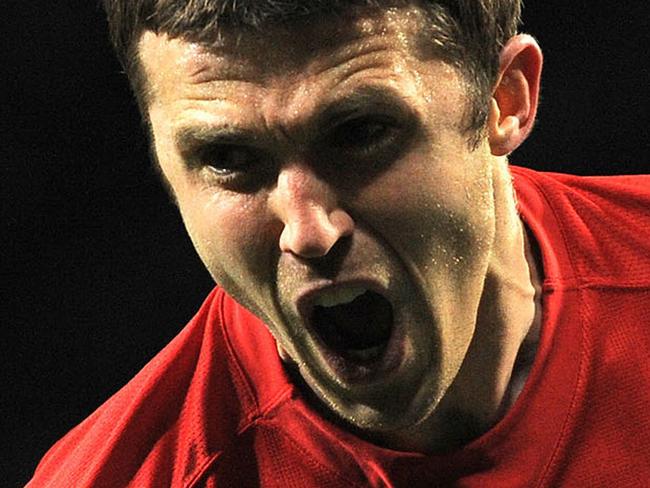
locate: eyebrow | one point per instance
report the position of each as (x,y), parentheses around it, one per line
(192,136)
(365,99)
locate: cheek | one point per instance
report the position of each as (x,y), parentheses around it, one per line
(229,234)
(435,210)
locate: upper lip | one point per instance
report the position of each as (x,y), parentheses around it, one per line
(307,297)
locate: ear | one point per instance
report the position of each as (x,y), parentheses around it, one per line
(514,101)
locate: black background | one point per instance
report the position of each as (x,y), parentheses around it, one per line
(97,271)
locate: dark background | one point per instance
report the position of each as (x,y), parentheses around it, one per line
(97,271)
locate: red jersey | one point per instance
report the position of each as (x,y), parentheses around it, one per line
(215,408)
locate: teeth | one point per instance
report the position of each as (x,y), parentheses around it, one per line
(364,354)
(340,296)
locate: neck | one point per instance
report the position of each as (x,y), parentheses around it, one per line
(508,321)
(503,347)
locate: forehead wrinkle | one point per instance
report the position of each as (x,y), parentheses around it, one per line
(281,92)
(326,113)
(289,100)
(363,100)
(285,103)
(282,51)
(207,67)
(296,45)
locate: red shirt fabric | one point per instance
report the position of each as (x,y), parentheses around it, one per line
(215,408)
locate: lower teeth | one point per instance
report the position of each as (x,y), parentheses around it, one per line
(364,354)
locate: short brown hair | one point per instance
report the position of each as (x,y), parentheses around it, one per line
(468,33)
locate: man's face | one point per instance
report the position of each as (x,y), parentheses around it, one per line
(327,185)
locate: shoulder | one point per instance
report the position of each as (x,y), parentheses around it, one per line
(599,230)
(627,191)
(603,221)
(180,411)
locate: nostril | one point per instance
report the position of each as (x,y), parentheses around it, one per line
(307,241)
(315,234)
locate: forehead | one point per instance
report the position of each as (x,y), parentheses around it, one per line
(290,83)
(281,51)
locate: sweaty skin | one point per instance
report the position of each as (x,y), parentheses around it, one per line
(333,156)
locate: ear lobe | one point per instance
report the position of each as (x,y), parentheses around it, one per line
(515,97)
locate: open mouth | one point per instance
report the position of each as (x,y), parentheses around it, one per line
(354,322)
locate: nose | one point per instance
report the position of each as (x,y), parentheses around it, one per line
(309,209)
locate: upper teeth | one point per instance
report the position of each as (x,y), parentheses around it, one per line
(339,296)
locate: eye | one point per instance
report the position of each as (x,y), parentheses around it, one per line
(228,158)
(366,145)
(233,166)
(362,134)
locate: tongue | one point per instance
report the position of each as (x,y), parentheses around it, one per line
(364,323)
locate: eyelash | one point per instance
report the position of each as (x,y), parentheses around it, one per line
(230,165)
(372,142)
(351,133)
